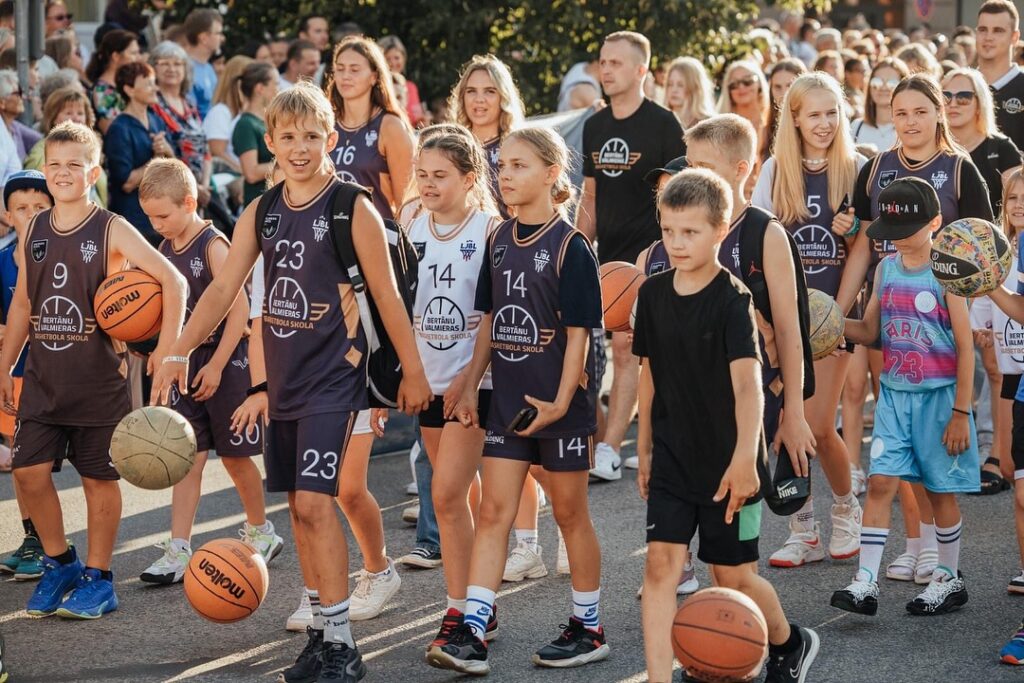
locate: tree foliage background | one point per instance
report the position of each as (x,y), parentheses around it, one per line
(539,39)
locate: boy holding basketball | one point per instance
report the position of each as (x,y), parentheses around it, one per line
(700,441)
(197,250)
(75,389)
(927,380)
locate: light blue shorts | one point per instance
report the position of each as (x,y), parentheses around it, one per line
(907,441)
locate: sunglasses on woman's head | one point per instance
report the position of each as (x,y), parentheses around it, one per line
(742,83)
(879,83)
(962,97)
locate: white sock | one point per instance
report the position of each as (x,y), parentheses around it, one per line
(266,528)
(459,605)
(384,572)
(848,499)
(180,544)
(314,607)
(585,607)
(337,628)
(527,537)
(949,547)
(928,541)
(804,517)
(479,607)
(914,546)
(872,545)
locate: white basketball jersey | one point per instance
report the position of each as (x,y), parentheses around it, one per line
(445,316)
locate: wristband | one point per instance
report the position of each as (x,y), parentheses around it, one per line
(962,412)
(176,359)
(257,389)
(855,228)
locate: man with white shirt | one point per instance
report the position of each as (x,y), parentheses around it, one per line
(997,34)
(302,65)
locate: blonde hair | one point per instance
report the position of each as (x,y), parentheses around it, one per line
(698,187)
(725,100)
(732,134)
(70,132)
(700,91)
(552,151)
(228,91)
(788,197)
(59,99)
(459,146)
(1016,177)
(511,103)
(923,59)
(637,41)
(985,116)
(303,100)
(168,178)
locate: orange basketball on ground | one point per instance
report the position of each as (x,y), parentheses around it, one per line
(129,306)
(620,282)
(226,580)
(719,634)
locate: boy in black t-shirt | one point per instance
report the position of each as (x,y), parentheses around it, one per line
(699,465)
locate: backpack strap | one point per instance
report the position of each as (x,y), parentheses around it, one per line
(343,206)
(751,246)
(263,205)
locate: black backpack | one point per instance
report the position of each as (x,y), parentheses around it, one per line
(751,251)
(383,367)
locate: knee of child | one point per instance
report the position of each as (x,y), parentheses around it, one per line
(494,512)
(349,496)
(660,563)
(310,508)
(882,488)
(570,516)
(736,577)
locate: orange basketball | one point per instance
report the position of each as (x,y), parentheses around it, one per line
(620,282)
(719,634)
(226,580)
(129,306)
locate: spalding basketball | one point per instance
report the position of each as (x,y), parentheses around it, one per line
(226,580)
(720,634)
(153,447)
(620,282)
(129,306)
(827,323)
(971,257)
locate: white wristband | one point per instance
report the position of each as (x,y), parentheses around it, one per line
(176,359)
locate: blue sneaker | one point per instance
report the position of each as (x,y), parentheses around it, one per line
(92,597)
(1013,651)
(57,580)
(9,564)
(31,566)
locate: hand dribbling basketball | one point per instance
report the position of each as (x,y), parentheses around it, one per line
(171,370)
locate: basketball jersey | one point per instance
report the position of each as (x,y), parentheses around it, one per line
(492,150)
(918,349)
(8,281)
(193,262)
(657,259)
(528,340)
(312,338)
(822,252)
(75,374)
(357,159)
(445,318)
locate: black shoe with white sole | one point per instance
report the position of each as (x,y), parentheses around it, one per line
(793,667)
(576,646)
(940,597)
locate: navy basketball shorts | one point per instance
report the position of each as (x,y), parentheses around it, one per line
(560,454)
(211,419)
(1017,443)
(671,519)
(305,454)
(433,417)
(88,448)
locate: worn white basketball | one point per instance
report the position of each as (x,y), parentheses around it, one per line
(153,447)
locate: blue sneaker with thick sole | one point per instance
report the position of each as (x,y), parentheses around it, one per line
(1013,652)
(92,597)
(31,566)
(56,581)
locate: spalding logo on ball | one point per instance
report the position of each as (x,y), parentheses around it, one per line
(971,257)
(153,447)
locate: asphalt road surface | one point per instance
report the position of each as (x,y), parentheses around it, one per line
(155,635)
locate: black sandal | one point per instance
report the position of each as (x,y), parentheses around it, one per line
(991,482)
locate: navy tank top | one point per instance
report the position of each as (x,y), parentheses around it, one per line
(312,338)
(357,159)
(492,150)
(528,340)
(822,252)
(657,259)
(193,262)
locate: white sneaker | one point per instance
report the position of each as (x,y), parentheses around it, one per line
(411,514)
(632,462)
(846,523)
(927,561)
(902,568)
(301,617)
(800,548)
(607,464)
(858,480)
(688,583)
(170,567)
(542,499)
(524,563)
(266,543)
(562,564)
(411,489)
(372,592)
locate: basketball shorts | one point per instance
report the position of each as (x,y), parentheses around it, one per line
(565,454)
(1017,444)
(88,448)
(671,519)
(7,422)
(907,441)
(433,416)
(211,419)
(1008,390)
(306,454)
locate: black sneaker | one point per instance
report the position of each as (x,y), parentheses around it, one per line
(306,668)
(940,597)
(860,597)
(463,652)
(492,625)
(577,646)
(341,664)
(451,620)
(792,668)
(421,558)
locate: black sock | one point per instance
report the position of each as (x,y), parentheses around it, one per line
(66,557)
(106,575)
(790,645)
(30,528)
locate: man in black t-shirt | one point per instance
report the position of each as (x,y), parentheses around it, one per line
(997,34)
(622,143)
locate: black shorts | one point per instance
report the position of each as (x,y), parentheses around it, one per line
(671,519)
(1017,443)
(433,417)
(1009,390)
(88,448)
(306,454)
(566,454)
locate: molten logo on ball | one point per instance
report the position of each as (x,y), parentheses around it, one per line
(217,579)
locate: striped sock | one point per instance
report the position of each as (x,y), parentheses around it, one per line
(314,606)
(872,544)
(949,547)
(479,607)
(336,624)
(585,607)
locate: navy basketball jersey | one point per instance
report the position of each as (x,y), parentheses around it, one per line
(492,150)
(193,262)
(357,159)
(75,374)
(822,252)
(528,340)
(657,259)
(314,344)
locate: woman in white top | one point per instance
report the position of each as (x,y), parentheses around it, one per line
(876,127)
(227,106)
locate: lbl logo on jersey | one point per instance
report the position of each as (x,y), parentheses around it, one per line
(939,179)
(320,227)
(886,178)
(271,224)
(89,250)
(196,265)
(541,259)
(421,250)
(39,250)
(499,255)
(468,248)
(371,138)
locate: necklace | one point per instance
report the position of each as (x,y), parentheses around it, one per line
(814,162)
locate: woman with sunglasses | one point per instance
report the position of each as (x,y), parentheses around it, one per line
(876,127)
(745,93)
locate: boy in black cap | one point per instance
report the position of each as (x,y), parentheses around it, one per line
(926,382)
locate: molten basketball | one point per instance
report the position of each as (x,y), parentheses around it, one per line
(226,580)
(620,282)
(153,447)
(719,634)
(827,323)
(129,306)
(971,257)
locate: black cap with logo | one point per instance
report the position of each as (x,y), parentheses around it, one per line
(905,206)
(675,166)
